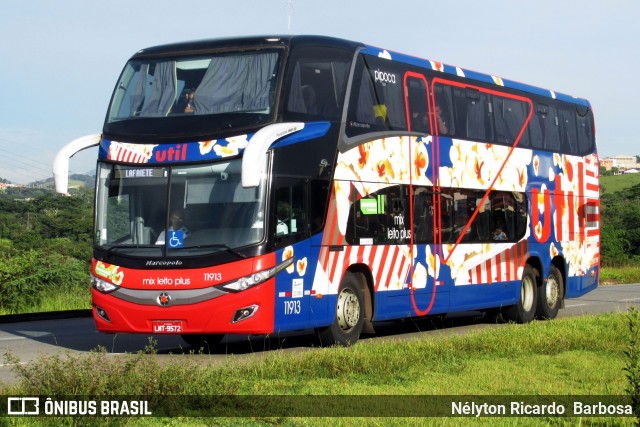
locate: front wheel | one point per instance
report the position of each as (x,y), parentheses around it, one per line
(349,319)
(525,309)
(550,295)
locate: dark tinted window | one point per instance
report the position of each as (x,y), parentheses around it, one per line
(444,110)
(193,96)
(290,209)
(585,133)
(299,208)
(545,128)
(381,218)
(569,131)
(424,218)
(509,116)
(417,104)
(317,81)
(377,98)
(472,109)
(472,113)
(468,217)
(464,109)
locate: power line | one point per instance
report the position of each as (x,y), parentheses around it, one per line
(19,167)
(28,162)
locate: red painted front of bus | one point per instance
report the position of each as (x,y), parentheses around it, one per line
(161,301)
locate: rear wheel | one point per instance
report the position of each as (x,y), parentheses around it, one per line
(550,295)
(205,341)
(347,324)
(525,310)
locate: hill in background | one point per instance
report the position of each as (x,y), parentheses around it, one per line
(75,181)
(615,183)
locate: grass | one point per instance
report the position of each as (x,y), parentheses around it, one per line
(610,184)
(570,356)
(56,301)
(620,275)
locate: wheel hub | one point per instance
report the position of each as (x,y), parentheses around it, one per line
(348,310)
(552,291)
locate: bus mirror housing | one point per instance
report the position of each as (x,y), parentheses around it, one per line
(254,154)
(61,161)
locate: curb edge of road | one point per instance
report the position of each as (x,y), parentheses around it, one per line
(50,315)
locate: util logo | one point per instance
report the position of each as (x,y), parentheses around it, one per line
(171,154)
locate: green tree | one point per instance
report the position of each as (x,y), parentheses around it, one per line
(45,250)
(613,246)
(620,226)
(30,277)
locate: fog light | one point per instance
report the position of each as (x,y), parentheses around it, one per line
(244,313)
(103,314)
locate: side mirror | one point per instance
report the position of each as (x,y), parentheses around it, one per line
(61,161)
(253,159)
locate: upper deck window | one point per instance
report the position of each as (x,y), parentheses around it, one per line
(169,95)
(377,98)
(316,83)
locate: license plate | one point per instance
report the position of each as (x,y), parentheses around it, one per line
(167,326)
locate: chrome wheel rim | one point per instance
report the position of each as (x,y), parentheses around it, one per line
(348,310)
(552,291)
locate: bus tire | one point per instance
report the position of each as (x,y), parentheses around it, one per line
(204,341)
(524,310)
(349,319)
(550,295)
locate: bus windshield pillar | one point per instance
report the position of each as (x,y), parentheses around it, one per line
(253,158)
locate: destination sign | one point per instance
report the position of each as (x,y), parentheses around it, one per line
(128,173)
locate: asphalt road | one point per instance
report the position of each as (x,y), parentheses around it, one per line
(28,340)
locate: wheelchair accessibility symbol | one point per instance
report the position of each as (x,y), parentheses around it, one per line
(176,239)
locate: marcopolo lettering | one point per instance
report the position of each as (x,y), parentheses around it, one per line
(384,77)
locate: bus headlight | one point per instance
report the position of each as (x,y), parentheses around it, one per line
(102,285)
(254,279)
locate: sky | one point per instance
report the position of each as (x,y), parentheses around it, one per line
(59,60)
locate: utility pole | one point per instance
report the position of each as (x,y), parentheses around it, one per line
(289,13)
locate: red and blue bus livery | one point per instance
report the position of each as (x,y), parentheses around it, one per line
(262,185)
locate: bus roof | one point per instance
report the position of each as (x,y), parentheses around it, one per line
(474,75)
(201,46)
(197,46)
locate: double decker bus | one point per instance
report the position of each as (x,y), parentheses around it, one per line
(268,184)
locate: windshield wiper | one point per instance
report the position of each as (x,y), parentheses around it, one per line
(111,249)
(218,245)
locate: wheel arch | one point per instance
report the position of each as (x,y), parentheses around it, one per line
(363,273)
(536,264)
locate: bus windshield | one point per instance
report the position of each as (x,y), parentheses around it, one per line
(208,209)
(202,93)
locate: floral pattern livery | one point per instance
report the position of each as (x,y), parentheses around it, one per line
(381,163)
